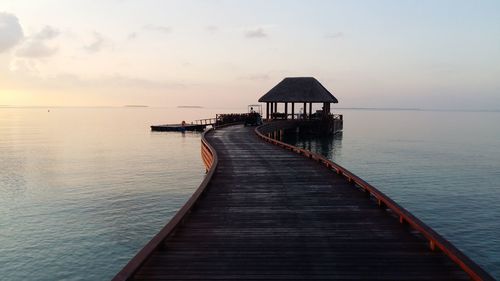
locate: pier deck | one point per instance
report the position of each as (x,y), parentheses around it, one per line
(268,213)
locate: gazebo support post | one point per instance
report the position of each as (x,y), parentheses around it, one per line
(267,111)
(286,110)
(293,110)
(310,110)
(326,109)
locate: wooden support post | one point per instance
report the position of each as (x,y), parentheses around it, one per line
(267,111)
(293,110)
(381,204)
(305,110)
(310,110)
(432,245)
(275,107)
(286,110)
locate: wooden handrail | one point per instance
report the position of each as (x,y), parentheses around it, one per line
(210,159)
(206,121)
(436,241)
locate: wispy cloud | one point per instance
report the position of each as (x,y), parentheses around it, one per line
(256,77)
(23,67)
(27,75)
(132,35)
(47,33)
(335,35)
(36,49)
(11,32)
(133,82)
(211,28)
(96,44)
(37,45)
(255,33)
(158,28)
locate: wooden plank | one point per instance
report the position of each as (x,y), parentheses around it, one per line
(268,213)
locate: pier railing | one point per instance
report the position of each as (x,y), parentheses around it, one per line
(207,154)
(222,119)
(436,241)
(206,121)
(210,159)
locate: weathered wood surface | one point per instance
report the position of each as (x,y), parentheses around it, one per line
(272,214)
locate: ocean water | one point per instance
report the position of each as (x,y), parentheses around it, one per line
(83,189)
(442,166)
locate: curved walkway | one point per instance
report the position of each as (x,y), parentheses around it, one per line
(272,214)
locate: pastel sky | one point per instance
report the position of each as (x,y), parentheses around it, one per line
(215,53)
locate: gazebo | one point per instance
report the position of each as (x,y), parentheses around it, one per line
(306,90)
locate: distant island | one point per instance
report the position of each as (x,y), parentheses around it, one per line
(189,106)
(135,105)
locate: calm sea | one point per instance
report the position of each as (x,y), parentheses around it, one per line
(442,166)
(83,189)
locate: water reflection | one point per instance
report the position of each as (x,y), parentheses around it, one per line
(329,146)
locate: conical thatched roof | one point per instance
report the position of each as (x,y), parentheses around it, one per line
(298,89)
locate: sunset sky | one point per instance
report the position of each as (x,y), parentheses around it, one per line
(415,54)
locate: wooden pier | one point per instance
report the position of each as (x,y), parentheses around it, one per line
(178,127)
(201,124)
(264,212)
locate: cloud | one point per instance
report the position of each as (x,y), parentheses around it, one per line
(25,74)
(211,28)
(11,32)
(35,49)
(256,33)
(97,43)
(36,46)
(120,81)
(24,66)
(158,28)
(132,35)
(47,33)
(335,35)
(256,77)
(149,27)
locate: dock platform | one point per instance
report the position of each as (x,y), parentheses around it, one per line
(178,127)
(266,213)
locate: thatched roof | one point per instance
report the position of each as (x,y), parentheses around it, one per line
(298,89)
